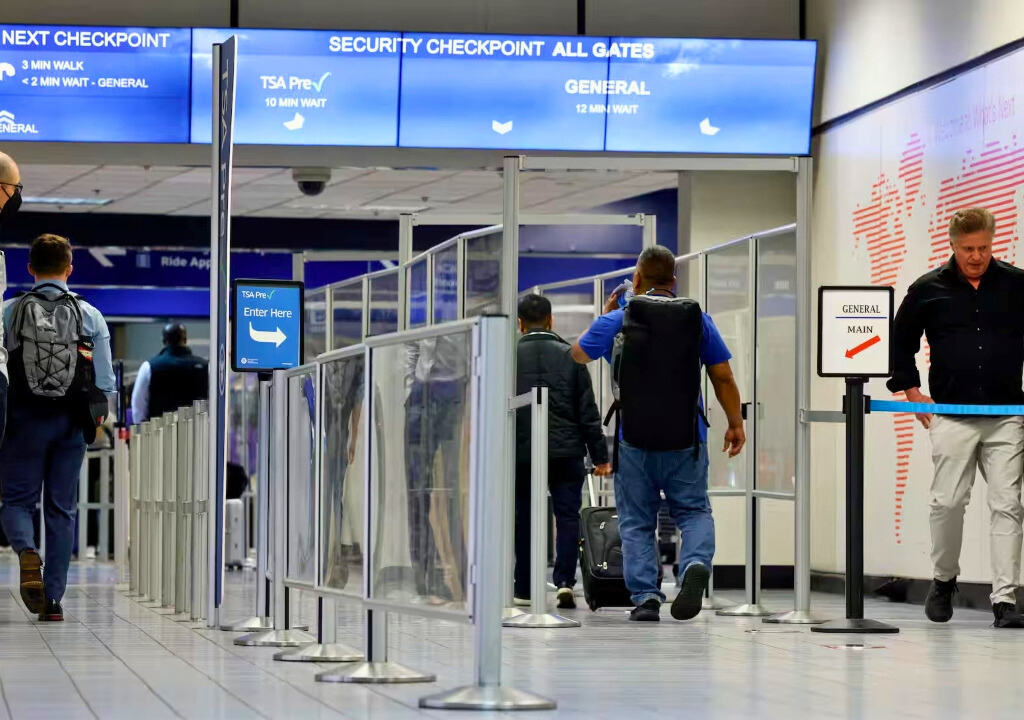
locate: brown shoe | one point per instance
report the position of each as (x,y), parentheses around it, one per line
(32,592)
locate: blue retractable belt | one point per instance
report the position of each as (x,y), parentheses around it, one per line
(941,409)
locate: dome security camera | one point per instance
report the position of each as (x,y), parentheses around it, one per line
(311,181)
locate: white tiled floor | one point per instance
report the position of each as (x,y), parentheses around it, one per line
(116,659)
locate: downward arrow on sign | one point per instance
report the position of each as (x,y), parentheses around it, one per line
(277,337)
(863,346)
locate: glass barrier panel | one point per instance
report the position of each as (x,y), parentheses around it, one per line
(420,471)
(776,363)
(384,304)
(572,309)
(243,420)
(342,504)
(730,305)
(315,324)
(483,274)
(417,274)
(446,285)
(301,477)
(348,315)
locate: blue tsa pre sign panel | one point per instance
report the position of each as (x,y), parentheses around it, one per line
(304,87)
(94,84)
(267,321)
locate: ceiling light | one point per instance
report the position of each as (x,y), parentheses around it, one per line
(66,201)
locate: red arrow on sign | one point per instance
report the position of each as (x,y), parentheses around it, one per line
(863,346)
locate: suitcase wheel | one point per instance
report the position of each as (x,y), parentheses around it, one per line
(592,605)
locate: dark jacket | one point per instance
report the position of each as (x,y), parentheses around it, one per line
(574,422)
(178,378)
(976,336)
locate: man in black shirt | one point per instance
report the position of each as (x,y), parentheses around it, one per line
(574,428)
(970,309)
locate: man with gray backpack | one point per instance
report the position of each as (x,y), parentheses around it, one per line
(60,377)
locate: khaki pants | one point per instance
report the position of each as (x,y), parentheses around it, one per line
(960,447)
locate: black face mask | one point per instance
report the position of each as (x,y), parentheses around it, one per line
(12,205)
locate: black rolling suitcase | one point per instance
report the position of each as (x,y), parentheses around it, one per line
(601,559)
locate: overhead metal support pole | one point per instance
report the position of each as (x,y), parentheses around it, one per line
(801,613)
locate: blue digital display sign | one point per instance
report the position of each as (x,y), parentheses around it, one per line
(267,320)
(388,89)
(498,91)
(711,96)
(94,84)
(303,87)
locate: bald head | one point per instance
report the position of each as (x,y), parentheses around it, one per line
(9,170)
(9,177)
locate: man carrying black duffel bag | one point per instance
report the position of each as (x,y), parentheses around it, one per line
(657,345)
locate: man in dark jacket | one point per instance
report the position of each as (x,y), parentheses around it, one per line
(574,427)
(173,379)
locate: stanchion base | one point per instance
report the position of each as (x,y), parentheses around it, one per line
(180,617)
(276,638)
(150,603)
(860,626)
(545,620)
(376,673)
(321,653)
(715,603)
(794,617)
(475,697)
(250,624)
(511,612)
(164,610)
(746,610)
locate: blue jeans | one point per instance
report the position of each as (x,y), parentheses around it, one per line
(641,478)
(42,453)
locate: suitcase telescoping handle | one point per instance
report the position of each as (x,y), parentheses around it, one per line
(590,489)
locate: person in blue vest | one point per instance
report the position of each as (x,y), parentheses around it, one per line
(657,344)
(173,379)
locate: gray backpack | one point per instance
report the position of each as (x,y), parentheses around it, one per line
(44,342)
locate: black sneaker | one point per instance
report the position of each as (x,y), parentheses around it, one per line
(649,611)
(53,612)
(32,592)
(938,606)
(566,598)
(1007,616)
(690,598)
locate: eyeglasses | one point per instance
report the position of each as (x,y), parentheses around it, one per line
(17,186)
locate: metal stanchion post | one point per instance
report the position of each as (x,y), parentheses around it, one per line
(801,613)
(134,511)
(156,482)
(711,601)
(261,620)
(488,458)
(280,635)
(539,617)
(200,467)
(855,407)
(145,509)
(104,505)
(170,499)
(326,648)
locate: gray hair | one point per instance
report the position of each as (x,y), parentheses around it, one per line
(971,220)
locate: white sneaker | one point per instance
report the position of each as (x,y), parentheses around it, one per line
(522,602)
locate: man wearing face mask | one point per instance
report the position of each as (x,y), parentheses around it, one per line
(10,202)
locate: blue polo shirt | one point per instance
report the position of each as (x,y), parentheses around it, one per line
(599,340)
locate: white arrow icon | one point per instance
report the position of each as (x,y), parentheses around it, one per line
(296,122)
(6,70)
(277,337)
(501,128)
(101,255)
(706,128)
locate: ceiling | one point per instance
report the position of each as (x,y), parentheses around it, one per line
(357,193)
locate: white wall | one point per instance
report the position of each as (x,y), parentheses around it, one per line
(873,48)
(886,185)
(665,18)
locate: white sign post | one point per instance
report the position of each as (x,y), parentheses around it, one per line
(854,328)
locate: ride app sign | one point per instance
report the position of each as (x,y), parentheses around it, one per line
(94,84)
(267,325)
